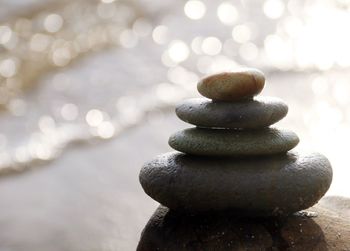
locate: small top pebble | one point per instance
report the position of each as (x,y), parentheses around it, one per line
(232,86)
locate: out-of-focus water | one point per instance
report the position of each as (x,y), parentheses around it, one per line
(88,90)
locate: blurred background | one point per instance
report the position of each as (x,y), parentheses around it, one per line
(87,95)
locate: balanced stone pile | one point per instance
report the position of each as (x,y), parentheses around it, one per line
(232,160)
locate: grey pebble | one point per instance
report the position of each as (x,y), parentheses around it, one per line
(220,142)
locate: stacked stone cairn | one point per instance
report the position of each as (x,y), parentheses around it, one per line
(233,160)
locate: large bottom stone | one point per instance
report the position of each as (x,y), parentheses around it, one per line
(220,142)
(326,227)
(269,185)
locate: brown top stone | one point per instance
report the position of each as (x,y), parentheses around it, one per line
(232,86)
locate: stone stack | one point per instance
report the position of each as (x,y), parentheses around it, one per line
(233,160)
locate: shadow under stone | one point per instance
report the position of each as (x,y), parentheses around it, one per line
(172,230)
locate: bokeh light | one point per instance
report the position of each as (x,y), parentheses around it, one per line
(241,33)
(89,71)
(106,130)
(94,117)
(227,13)
(5,34)
(8,68)
(273,8)
(53,23)
(160,34)
(194,9)
(178,51)
(128,39)
(69,112)
(211,46)
(248,51)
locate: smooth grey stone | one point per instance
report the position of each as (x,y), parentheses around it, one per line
(221,231)
(220,142)
(268,185)
(249,114)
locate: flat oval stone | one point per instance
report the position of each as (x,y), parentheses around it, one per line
(250,114)
(232,86)
(265,185)
(220,142)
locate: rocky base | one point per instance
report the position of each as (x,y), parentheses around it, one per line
(325,226)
